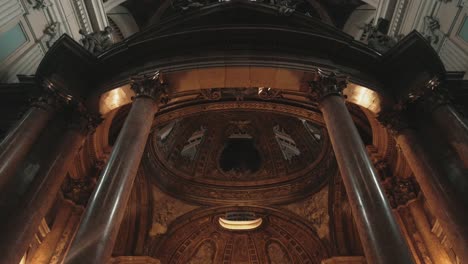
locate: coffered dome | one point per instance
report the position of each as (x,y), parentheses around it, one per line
(212,157)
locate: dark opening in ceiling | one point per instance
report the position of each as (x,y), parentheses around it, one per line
(240,155)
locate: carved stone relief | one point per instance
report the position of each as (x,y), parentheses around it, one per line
(52,33)
(205,253)
(97,42)
(314,210)
(165,210)
(277,254)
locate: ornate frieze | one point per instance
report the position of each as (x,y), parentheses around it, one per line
(284,7)
(266,93)
(210,94)
(240,94)
(325,84)
(150,86)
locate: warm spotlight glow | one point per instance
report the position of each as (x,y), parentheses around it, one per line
(115,98)
(240,225)
(23,260)
(364,97)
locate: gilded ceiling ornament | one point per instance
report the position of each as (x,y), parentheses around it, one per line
(210,94)
(266,93)
(325,84)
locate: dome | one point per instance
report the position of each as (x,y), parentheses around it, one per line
(238,156)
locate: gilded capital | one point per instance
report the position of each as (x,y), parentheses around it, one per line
(393,120)
(430,101)
(417,92)
(325,84)
(150,86)
(48,100)
(82,120)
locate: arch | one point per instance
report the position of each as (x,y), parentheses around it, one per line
(190,230)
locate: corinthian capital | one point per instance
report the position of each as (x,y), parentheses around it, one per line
(401,191)
(82,119)
(325,84)
(150,86)
(48,100)
(393,120)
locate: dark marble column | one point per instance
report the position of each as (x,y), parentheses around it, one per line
(439,194)
(449,122)
(40,196)
(18,142)
(382,239)
(99,227)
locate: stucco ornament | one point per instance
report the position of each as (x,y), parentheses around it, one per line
(166,210)
(315,211)
(97,42)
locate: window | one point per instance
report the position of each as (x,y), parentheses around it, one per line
(463,33)
(191,146)
(11,40)
(287,144)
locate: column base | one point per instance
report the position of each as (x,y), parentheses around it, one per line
(345,260)
(134,260)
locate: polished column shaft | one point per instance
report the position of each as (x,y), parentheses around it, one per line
(380,235)
(23,224)
(454,128)
(99,227)
(18,142)
(440,197)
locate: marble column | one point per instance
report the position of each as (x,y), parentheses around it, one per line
(99,226)
(435,187)
(22,224)
(16,145)
(382,239)
(435,249)
(450,123)
(46,250)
